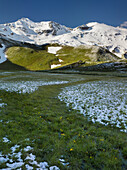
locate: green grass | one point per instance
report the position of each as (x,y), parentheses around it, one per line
(31,59)
(71,55)
(88,55)
(42,60)
(55,131)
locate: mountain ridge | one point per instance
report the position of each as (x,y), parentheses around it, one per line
(37,35)
(112,38)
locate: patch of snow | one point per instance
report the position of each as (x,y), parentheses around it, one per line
(3,57)
(91,24)
(102,101)
(53,50)
(55,65)
(60,60)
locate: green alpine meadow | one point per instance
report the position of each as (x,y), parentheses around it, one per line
(63,96)
(38,129)
(42,60)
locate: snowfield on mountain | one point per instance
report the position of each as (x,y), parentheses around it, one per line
(24,30)
(3,57)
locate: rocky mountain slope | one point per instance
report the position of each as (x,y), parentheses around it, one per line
(102,42)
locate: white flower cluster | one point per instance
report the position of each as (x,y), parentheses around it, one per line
(26,86)
(31,159)
(2,104)
(101,101)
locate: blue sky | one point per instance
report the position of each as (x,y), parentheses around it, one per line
(68,12)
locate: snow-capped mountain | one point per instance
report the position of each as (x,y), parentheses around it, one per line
(29,31)
(112,38)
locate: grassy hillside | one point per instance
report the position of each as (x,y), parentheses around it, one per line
(70,54)
(30,59)
(33,59)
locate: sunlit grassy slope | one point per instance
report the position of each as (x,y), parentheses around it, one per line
(42,60)
(30,58)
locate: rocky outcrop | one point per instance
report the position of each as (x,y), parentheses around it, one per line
(96,53)
(82,27)
(125,55)
(10,43)
(71,66)
(116,66)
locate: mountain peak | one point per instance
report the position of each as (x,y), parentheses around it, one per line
(91,24)
(24,19)
(112,38)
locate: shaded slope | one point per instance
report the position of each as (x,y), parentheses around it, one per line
(8,65)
